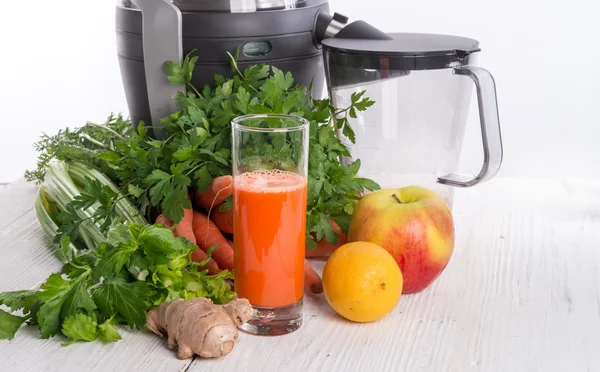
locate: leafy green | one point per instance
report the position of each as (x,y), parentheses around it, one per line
(15,300)
(118,282)
(196,148)
(80,327)
(126,299)
(107,332)
(53,295)
(9,324)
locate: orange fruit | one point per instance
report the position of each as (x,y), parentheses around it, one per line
(362,282)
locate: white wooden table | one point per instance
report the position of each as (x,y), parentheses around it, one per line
(521,293)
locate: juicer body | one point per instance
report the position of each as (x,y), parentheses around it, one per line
(283,38)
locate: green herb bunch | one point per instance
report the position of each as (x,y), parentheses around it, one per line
(196,146)
(140,267)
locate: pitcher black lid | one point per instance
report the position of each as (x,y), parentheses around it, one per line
(404,51)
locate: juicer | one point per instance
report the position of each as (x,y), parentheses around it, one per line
(421,83)
(286,34)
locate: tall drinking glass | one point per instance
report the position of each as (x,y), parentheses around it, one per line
(270,168)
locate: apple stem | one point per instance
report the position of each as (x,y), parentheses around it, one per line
(397,198)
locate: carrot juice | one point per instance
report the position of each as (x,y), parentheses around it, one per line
(270,232)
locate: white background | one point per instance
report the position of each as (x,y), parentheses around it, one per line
(58,67)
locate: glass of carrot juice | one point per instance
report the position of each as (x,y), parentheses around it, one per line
(270,170)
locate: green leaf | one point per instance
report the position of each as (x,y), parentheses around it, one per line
(219,291)
(196,114)
(184,153)
(225,89)
(349,208)
(343,221)
(57,293)
(367,183)
(242,100)
(48,317)
(55,286)
(160,245)
(176,73)
(174,202)
(352,112)
(107,332)
(159,190)
(348,132)
(198,135)
(188,67)
(78,299)
(172,68)
(80,327)
(139,266)
(135,191)
(9,324)
(156,176)
(209,253)
(111,264)
(16,300)
(126,299)
(356,96)
(110,156)
(227,205)
(363,104)
(202,178)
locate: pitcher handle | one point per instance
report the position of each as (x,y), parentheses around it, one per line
(490,128)
(161,30)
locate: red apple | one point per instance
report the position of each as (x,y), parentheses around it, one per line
(414,224)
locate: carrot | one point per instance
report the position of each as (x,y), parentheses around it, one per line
(312,280)
(184,227)
(324,248)
(165,221)
(215,194)
(208,234)
(223,220)
(199,255)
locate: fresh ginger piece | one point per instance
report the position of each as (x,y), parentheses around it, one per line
(198,326)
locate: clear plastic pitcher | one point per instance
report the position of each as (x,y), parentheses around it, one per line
(422,86)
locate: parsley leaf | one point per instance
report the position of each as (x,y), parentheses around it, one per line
(107,332)
(78,299)
(16,300)
(60,298)
(80,327)
(9,324)
(127,299)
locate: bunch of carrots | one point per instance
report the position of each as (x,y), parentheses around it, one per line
(205,226)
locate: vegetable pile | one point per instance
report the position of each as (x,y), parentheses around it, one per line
(197,146)
(101,183)
(115,269)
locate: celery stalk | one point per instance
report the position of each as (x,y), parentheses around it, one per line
(60,187)
(48,225)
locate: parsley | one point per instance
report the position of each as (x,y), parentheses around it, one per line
(9,324)
(97,289)
(80,327)
(157,174)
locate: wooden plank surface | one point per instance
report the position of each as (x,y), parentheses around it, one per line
(521,293)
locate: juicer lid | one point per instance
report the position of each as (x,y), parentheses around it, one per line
(404,51)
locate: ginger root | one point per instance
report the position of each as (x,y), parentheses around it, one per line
(198,326)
